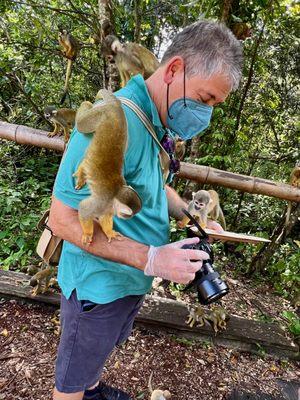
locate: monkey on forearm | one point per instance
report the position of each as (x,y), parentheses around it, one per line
(70,50)
(62,118)
(130,58)
(102,167)
(64,223)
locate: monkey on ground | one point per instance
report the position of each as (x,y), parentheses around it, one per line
(294,181)
(157,394)
(217,317)
(43,276)
(130,58)
(102,166)
(204,203)
(70,50)
(62,118)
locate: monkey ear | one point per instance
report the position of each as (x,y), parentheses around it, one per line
(121,210)
(128,197)
(193,195)
(54,112)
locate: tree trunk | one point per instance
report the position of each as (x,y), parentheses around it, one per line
(263,257)
(137,20)
(106,16)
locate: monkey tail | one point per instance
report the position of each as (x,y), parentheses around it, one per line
(222,219)
(68,75)
(150,383)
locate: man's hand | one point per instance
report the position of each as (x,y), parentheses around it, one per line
(215,226)
(173,263)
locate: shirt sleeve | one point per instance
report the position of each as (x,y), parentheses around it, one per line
(64,186)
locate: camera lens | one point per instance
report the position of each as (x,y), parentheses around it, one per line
(209,285)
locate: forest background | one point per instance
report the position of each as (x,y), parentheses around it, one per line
(255,132)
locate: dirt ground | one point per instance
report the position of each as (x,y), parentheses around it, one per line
(190,370)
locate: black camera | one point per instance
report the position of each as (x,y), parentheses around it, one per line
(208,283)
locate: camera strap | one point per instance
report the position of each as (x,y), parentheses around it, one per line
(204,235)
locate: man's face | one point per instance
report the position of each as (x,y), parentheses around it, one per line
(210,91)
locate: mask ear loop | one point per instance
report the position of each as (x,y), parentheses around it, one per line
(184,102)
(170,116)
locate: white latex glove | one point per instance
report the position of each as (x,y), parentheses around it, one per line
(173,263)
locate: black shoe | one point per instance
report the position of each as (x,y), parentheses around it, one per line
(105,392)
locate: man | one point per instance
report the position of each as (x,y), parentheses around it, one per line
(103,285)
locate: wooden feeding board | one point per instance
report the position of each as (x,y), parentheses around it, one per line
(227,236)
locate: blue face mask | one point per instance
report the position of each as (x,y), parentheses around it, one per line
(187,117)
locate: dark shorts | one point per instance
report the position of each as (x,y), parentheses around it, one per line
(88,337)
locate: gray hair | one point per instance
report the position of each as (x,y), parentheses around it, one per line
(207,48)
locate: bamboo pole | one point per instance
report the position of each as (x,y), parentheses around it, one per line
(199,173)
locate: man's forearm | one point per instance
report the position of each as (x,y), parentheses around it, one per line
(175,203)
(64,223)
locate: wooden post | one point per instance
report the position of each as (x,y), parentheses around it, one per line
(199,173)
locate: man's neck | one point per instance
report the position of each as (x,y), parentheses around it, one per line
(157,90)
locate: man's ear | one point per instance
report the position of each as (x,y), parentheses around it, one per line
(172,67)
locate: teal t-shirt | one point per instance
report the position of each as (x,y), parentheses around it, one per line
(94,278)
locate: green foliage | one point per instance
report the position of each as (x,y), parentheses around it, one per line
(294,323)
(26,184)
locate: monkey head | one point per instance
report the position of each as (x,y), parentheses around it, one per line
(111,46)
(50,111)
(201,199)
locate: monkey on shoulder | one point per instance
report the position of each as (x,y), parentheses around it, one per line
(130,58)
(102,166)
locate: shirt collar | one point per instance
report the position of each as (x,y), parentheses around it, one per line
(137,90)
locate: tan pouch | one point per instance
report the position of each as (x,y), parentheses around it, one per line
(49,246)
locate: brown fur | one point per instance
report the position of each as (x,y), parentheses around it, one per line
(70,51)
(131,58)
(62,118)
(102,165)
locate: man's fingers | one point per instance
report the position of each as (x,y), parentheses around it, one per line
(182,242)
(214,226)
(185,279)
(196,254)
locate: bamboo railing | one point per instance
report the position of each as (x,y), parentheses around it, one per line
(198,173)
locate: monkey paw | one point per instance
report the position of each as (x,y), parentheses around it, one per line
(86,239)
(35,291)
(180,224)
(113,235)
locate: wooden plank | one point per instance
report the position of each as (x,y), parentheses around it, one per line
(227,236)
(170,315)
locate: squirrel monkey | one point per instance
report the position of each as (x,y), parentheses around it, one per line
(204,203)
(294,181)
(217,317)
(43,275)
(179,149)
(157,394)
(70,50)
(130,58)
(62,118)
(102,166)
